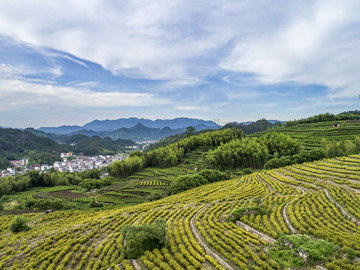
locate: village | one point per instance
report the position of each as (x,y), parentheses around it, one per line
(70,163)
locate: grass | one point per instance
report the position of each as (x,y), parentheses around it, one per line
(318,250)
(82,199)
(109,199)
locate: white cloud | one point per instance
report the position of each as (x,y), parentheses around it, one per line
(18,94)
(142,39)
(321,47)
(186,42)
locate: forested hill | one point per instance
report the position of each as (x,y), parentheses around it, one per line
(258,126)
(247,129)
(349,115)
(16,144)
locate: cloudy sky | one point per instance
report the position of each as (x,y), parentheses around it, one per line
(70,62)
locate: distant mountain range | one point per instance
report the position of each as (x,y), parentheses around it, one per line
(138,129)
(112,125)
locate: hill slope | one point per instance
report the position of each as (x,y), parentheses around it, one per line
(311,134)
(303,199)
(16,144)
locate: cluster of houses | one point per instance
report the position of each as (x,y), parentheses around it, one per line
(70,163)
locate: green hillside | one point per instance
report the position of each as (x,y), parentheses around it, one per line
(17,144)
(311,134)
(318,199)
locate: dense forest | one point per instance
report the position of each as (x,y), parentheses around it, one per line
(19,183)
(16,144)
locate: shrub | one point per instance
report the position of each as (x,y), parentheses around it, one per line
(318,250)
(155,197)
(93,204)
(142,237)
(213,175)
(45,204)
(89,184)
(350,254)
(186,182)
(19,224)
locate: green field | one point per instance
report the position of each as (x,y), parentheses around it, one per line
(63,192)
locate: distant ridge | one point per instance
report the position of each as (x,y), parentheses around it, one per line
(112,125)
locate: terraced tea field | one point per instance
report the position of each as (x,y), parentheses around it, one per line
(319,199)
(311,134)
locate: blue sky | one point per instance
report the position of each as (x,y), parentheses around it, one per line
(70,62)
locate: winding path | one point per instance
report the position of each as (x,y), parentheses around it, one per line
(268,186)
(288,224)
(136,265)
(341,209)
(256,232)
(338,206)
(286,219)
(207,249)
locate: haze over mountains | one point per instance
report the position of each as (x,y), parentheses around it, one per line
(133,128)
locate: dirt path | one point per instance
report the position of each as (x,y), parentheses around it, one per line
(286,219)
(288,224)
(338,206)
(326,175)
(204,246)
(326,181)
(256,232)
(341,209)
(136,265)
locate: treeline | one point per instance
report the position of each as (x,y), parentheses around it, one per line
(91,146)
(172,154)
(19,183)
(350,115)
(190,131)
(328,149)
(253,152)
(258,126)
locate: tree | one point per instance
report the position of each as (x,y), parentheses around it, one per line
(190,130)
(186,182)
(142,237)
(213,175)
(19,224)
(93,204)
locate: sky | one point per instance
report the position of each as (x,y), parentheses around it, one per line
(70,62)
